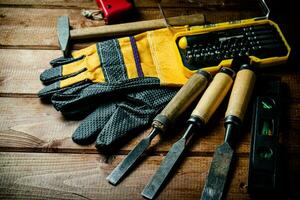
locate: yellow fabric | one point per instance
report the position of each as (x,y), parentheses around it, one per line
(164,56)
(157,59)
(156,54)
(86,51)
(90,63)
(147,64)
(128,57)
(95,76)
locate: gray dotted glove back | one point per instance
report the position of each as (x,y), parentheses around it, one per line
(110,122)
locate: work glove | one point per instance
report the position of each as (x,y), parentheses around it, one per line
(117,116)
(147,58)
(122,80)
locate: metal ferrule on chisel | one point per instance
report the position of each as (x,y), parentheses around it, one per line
(182,100)
(232,126)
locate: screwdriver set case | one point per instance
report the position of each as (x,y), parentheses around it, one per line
(213,46)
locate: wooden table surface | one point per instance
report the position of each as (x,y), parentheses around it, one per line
(39,160)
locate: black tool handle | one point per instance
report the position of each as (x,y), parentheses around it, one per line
(185,96)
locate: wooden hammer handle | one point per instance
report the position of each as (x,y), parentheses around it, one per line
(241,93)
(135,27)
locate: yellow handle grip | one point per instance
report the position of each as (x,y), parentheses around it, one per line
(241,93)
(214,94)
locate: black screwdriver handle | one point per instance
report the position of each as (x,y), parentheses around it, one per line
(180,102)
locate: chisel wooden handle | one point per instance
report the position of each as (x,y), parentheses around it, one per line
(135,27)
(214,95)
(185,96)
(241,93)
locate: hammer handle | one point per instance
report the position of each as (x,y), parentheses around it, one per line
(135,27)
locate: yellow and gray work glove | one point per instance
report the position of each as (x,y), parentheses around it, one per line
(147,58)
(116,115)
(124,81)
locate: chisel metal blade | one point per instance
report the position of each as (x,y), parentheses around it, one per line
(164,170)
(218,173)
(115,176)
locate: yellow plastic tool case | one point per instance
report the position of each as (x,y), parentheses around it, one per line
(213,46)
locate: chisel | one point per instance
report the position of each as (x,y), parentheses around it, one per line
(238,102)
(181,101)
(207,105)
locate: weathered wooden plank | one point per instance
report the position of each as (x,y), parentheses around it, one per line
(40,127)
(88,4)
(67,176)
(91,4)
(20,70)
(82,176)
(28,125)
(36,28)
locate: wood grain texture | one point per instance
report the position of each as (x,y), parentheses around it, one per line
(213,96)
(36,28)
(23,67)
(82,176)
(20,70)
(185,97)
(118,30)
(28,125)
(71,176)
(91,4)
(241,94)
(28,42)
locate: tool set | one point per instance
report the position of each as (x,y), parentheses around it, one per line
(207,105)
(226,51)
(209,49)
